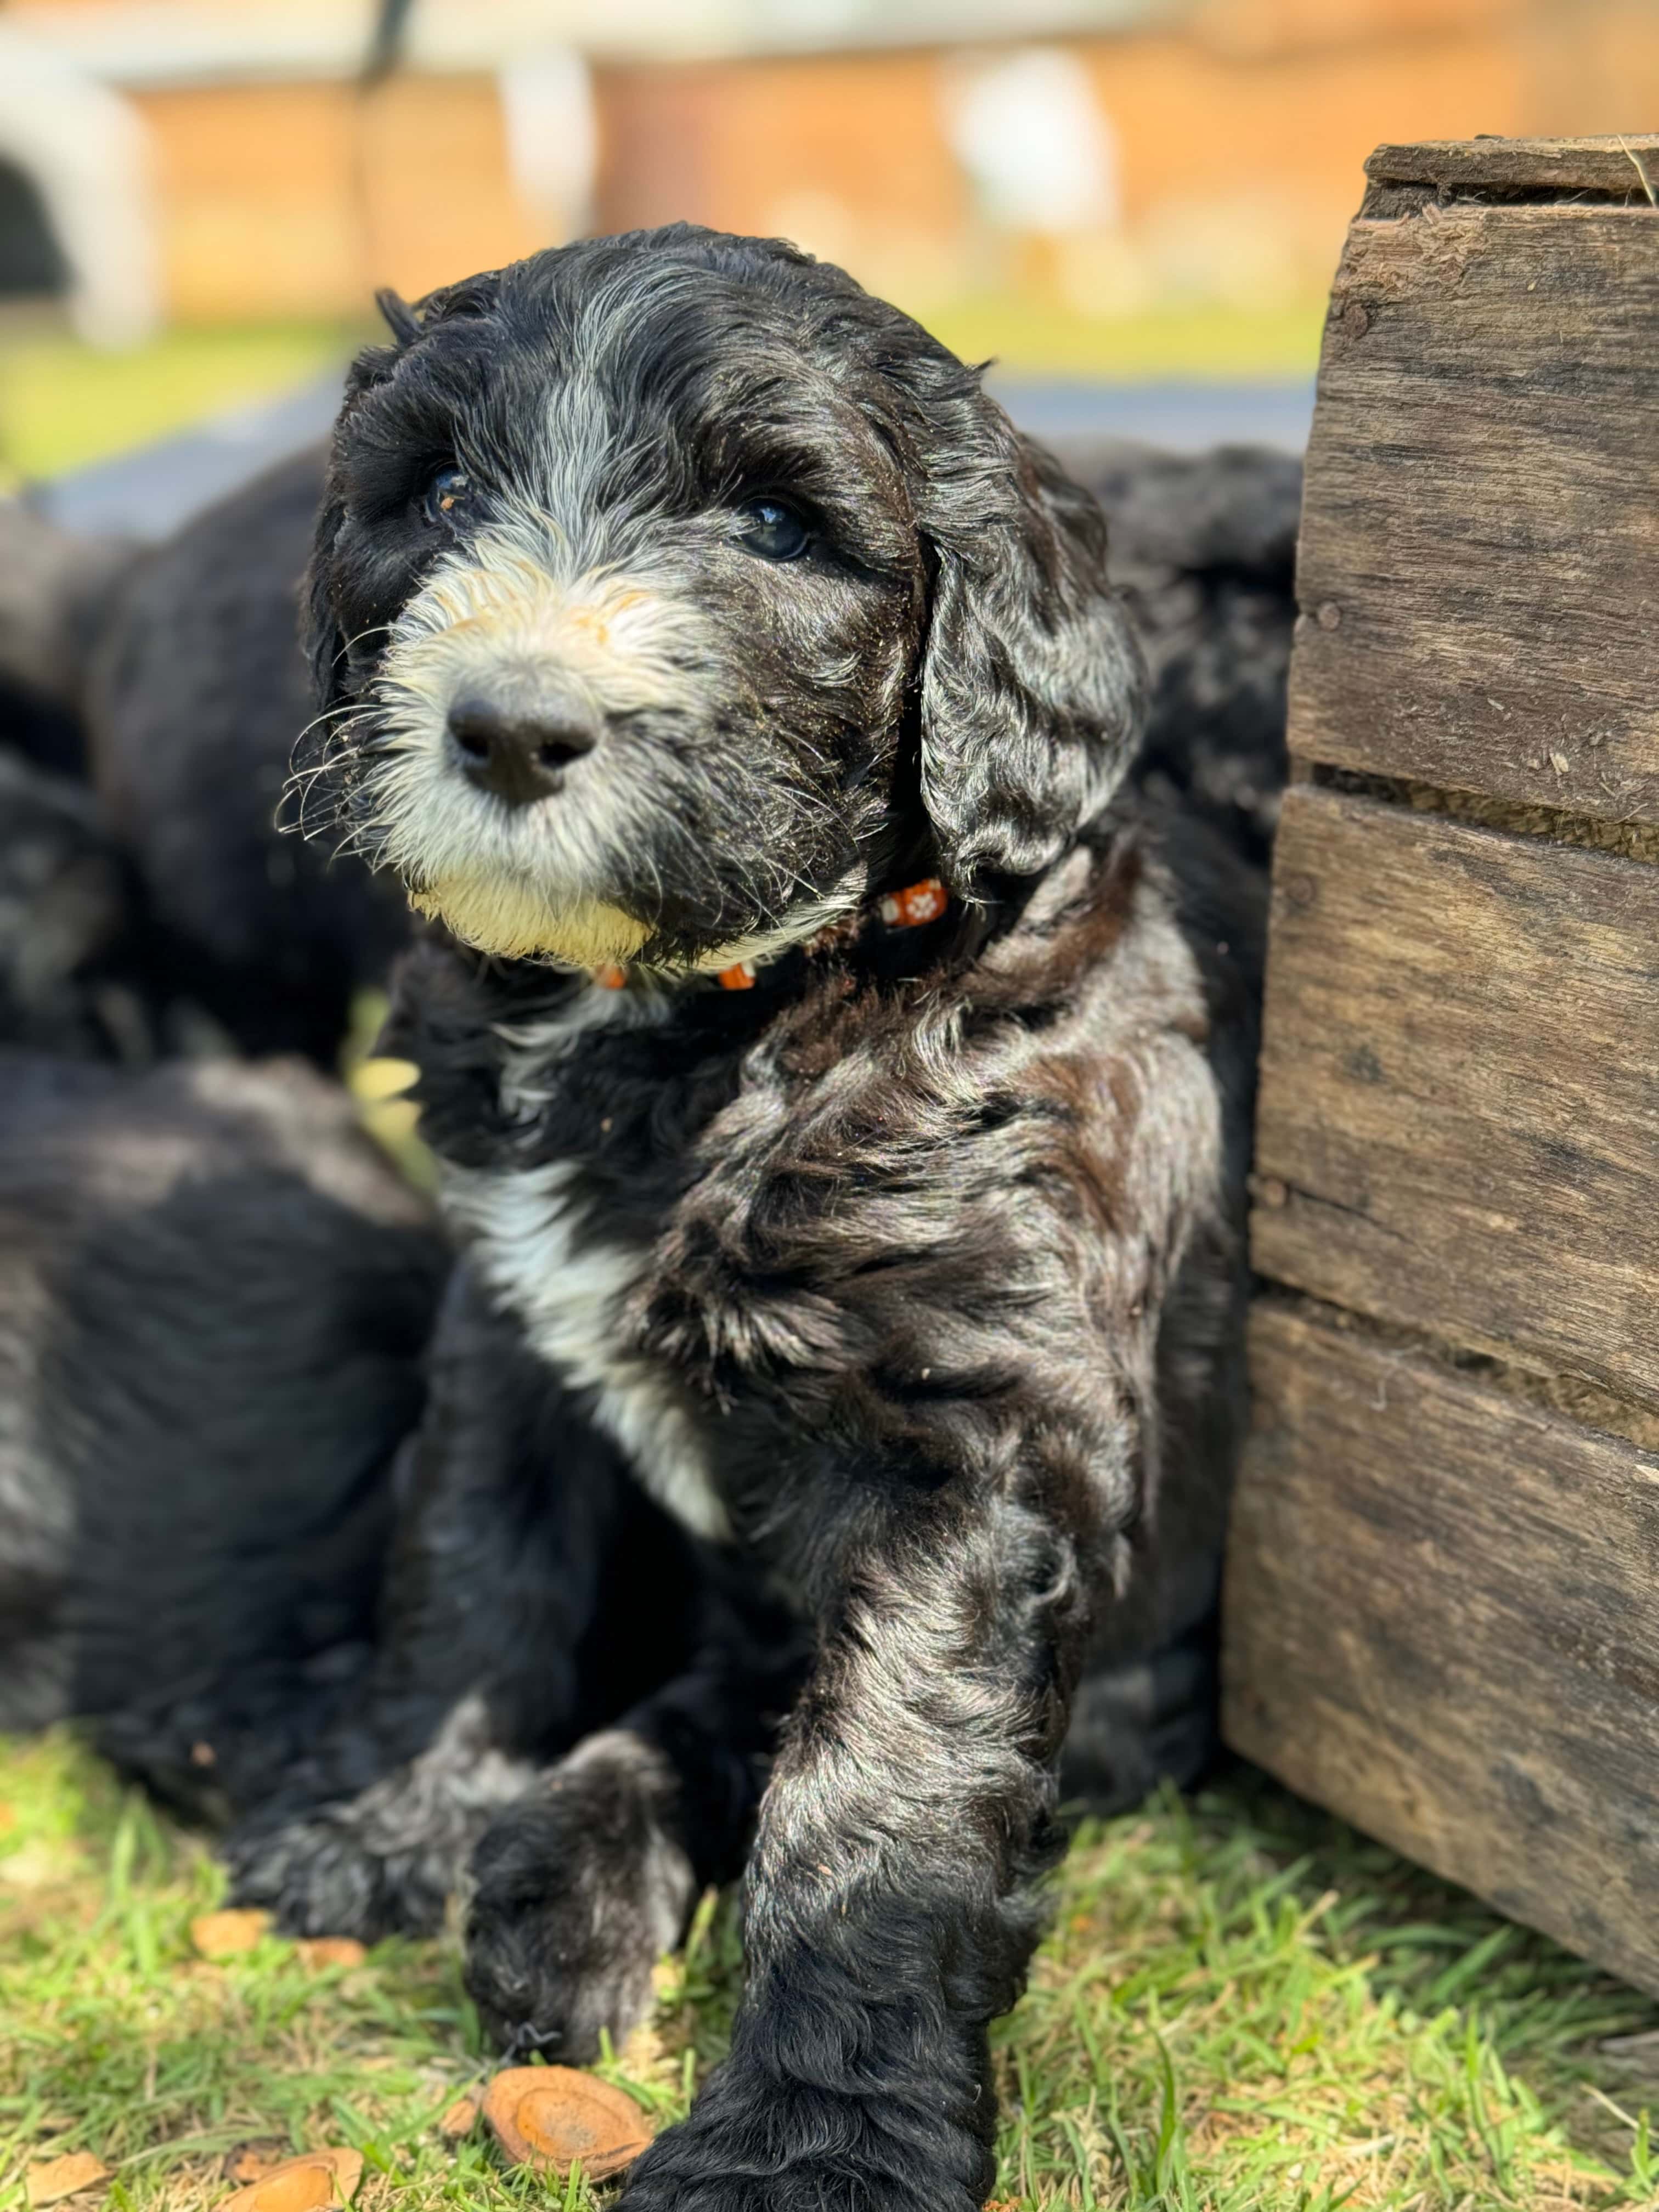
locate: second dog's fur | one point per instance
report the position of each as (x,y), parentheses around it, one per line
(215,1295)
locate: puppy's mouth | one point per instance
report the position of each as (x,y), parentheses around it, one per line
(623,863)
(553,772)
(536,875)
(495,785)
(516,919)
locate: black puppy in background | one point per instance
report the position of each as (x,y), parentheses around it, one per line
(194,695)
(840,1076)
(215,1295)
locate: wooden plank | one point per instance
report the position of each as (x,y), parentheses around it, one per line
(1613,166)
(1441,1621)
(1480,563)
(1459,1120)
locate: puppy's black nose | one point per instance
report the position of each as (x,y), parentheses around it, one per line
(519,753)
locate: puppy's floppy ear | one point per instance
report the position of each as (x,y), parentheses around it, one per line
(323,645)
(320,638)
(1032,685)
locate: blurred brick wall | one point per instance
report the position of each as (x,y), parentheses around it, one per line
(1240,134)
(1239,129)
(282,198)
(843,153)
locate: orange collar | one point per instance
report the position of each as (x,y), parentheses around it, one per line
(907,909)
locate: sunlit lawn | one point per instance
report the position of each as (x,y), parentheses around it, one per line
(62,404)
(1242,2005)
(1034,338)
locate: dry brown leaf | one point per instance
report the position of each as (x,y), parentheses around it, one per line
(460,2119)
(310,2183)
(550,2117)
(58,2177)
(316,1952)
(225,1935)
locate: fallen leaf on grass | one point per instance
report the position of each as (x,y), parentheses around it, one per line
(316,1952)
(57,2178)
(460,2119)
(549,2117)
(225,1935)
(308,2184)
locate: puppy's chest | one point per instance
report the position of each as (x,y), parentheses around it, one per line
(567,1243)
(553,1258)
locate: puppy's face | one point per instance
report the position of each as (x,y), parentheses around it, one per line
(632,566)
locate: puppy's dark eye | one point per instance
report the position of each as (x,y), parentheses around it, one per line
(447,492)
(773,530)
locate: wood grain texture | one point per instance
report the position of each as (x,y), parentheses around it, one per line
(1440,1623)
(1459,1119)
(1479,576)
(1613,166)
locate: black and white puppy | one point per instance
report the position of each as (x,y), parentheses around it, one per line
(842,1098)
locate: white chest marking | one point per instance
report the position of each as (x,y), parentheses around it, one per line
(570,1295)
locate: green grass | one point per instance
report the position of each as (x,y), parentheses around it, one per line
(1242,2004)
(63,405)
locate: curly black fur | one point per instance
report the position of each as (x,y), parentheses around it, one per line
(56,589)
(196,695)
(78,975)
(907,1279)
(214,1299)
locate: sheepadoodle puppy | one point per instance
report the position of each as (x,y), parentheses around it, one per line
(839,1082)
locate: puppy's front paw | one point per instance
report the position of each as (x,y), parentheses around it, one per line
(385,1861)
(756,2144)
(578,1889)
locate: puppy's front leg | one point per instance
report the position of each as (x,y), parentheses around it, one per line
(580,1885)
(891,1913)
